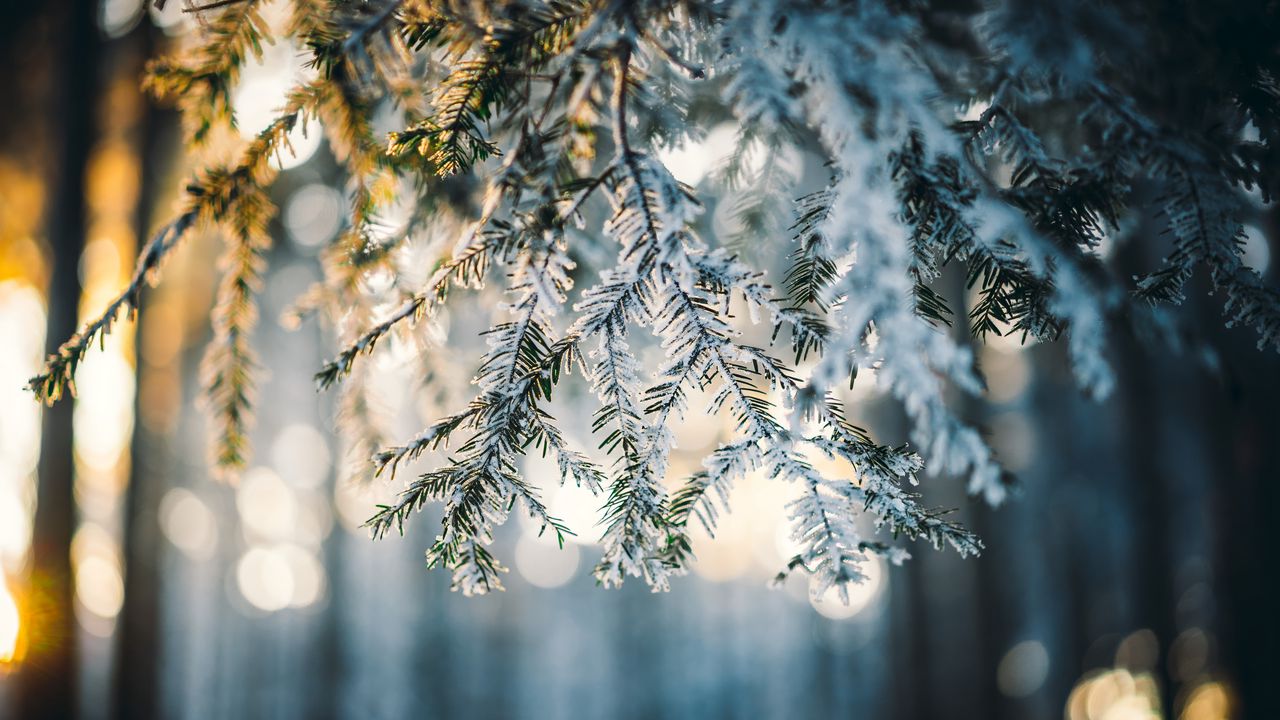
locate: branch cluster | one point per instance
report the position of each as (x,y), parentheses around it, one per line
(943,142)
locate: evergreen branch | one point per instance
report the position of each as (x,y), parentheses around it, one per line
(451,140)
(760,194)
(359,416)
(468,264)
(229,362)
(60,368)
(1202,219)
(210,5)
(432,438)
(879,467)
(341,366)
(202,78)
(879,472)
(211,197)
(480,485)
(812,271)
(634,509)
(1022,197)
(697,341)
(824,524)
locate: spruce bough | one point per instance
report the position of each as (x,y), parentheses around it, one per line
(1009,140)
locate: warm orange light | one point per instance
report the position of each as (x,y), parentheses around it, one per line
(10,624)
(1209,701)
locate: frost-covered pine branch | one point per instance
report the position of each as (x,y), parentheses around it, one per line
(1010,145)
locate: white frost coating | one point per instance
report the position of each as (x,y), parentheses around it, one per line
(911,356)
(912,188)
(1074,297)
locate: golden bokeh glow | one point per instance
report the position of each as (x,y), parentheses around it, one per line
(10,624)
(1209,701)
(95,556)
(100,587)
(22,320)
(1115,695)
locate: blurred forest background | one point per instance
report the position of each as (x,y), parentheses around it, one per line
(1127,580)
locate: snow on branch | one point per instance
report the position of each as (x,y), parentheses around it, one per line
(1004,155)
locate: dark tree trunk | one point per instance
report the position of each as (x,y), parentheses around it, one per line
(49,674)
(137,679)
(1246,496)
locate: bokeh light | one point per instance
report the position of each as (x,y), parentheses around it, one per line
(1257,253)
(276,577)
(866,386)
(576,506)
(1114,694)
(10,623)
(1007,375)
(118,17)
(580,510)
(1010,341)
(261,93)
(99,580)
(104,410)
(22,321)
(1209,700)
(698,431)
(99,587)
(265,579)
(300,453)
(691,162)
(315,518)
(188,523)
(1023,669)
(542,562)
(266,505)
(1189,654)
(1138,651)
(727,555)
(356,502)
(171,17)
(862,595)
(313,215)
(307,574)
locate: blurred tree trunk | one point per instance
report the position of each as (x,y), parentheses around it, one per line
(136,665)
(1245,497)
(1144,376)
(47,687)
